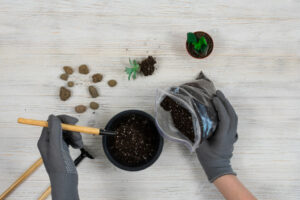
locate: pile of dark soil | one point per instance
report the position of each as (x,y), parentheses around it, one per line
(147,66)
(135,142)
(182,118)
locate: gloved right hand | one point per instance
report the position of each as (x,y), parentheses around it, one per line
(215,153)
(53,146)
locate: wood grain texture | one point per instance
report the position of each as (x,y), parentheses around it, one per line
(255,62)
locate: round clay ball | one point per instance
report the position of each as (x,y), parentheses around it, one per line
(70,83)
(93,91)
(83,69)
(64,93)
(97,78)
(112,83)
(68,70)
(94,105)
(64,77)
(80,109)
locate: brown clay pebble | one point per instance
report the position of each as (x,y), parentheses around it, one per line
(64,93)
(112,83)
(93,91)
(70,83)
(147,66)
(68,69)
(97,78)
(182,118)
(64,77)
(80,109)
(83,69)
(135,143)
(94,105)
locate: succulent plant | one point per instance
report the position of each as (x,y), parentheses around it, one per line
(131,71)
(200,45)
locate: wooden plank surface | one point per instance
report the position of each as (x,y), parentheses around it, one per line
(256,62)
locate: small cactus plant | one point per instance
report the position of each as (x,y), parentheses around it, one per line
(200,45)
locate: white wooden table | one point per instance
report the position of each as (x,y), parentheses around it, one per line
(255,62)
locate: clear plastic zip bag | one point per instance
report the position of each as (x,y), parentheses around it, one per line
(185,113)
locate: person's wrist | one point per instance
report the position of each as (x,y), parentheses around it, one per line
(64,186)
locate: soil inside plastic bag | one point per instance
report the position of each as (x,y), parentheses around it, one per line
(182,118)
(186,113)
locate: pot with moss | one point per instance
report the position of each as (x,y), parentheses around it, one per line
(199,44)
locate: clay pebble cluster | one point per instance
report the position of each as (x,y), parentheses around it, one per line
(65,93)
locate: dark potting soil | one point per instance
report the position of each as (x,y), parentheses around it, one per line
(147,66)
(135,143)
(182,118)
(210,44)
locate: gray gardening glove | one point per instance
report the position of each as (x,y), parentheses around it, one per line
(53,146)
(215,153)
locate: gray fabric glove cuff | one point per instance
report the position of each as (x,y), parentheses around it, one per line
(64,186)
(215,172)
(218,172)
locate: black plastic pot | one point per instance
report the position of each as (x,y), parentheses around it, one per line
(111,126)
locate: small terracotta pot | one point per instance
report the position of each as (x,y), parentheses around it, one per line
(210,42)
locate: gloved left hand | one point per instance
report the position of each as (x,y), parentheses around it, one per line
(53,146)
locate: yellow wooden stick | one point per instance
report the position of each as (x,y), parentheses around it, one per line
(67,127)
(45,194)
(29,171)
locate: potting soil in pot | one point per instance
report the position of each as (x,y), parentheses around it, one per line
(135,142)
(185,113)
